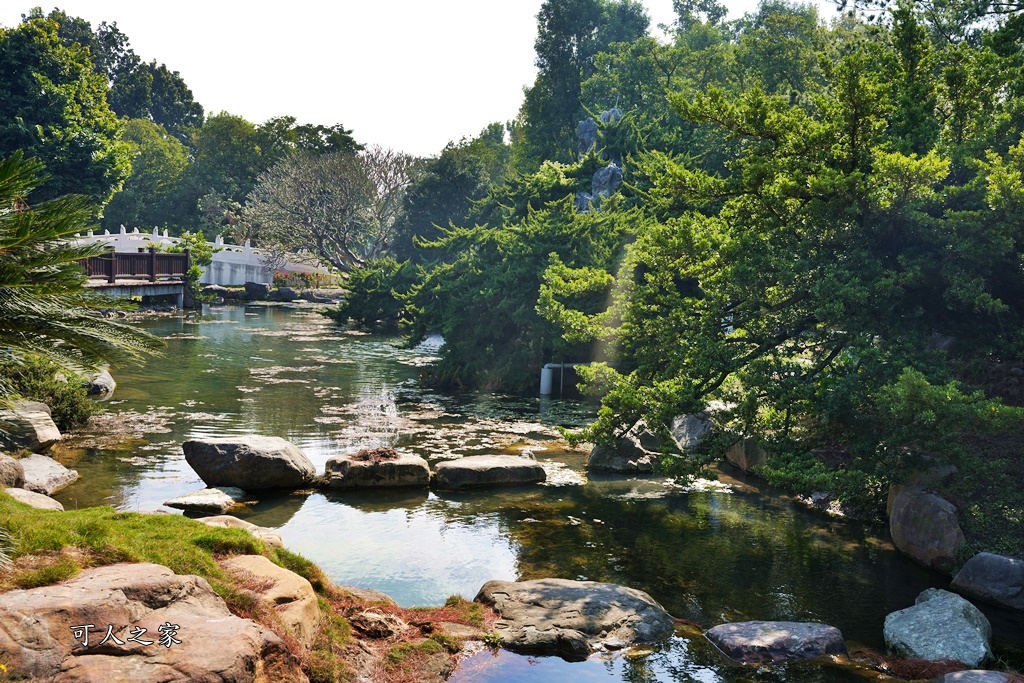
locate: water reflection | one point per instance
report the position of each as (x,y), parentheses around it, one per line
(706,555)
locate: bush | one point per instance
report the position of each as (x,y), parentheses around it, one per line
(36,380)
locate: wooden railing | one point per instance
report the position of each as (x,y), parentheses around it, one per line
(149,264)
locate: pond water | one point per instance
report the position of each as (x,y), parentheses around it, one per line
(721,551)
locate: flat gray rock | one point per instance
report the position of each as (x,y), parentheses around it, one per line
(214,499)
(992,578)
(36,500)
(940,625)
(765,642)
(378,467)
(487,470)
(265,534)
(28,425)
(249,462)
(12,474)
(573,618)
(46,475)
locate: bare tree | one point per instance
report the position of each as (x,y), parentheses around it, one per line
(339,206)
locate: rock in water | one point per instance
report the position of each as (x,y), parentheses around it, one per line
(37,636)
(925,527)
(12,474)
(361,469)
(256,291)
(765,642)
(100,385)
(268,536)
(690,431)
(249,462)
(487,470)
(974,676)
(940,625)
(46,475)
(573,618)
(746,454)
(627,455)
(36,500)
(215,499)
(992,578)
(284,592)
(28,425)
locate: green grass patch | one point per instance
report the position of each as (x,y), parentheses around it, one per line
(107,536)
(471,612)
(399,654)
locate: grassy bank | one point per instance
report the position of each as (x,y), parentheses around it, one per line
(48,546)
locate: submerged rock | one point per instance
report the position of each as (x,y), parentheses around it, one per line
(268,536)
(12,474)
(216,499)
(975,676)
(925,527)
(27,425)
(765,642)
(46,475)
(377,467)
(36,500)
(282,591)
(487,470)
(573,618)
(38,636)
(249,462)
(992,578)
(940,625)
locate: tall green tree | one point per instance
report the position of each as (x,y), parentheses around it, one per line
(569,35)
(149,196)
(53,106)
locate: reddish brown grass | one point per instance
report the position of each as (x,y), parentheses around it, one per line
(375,454)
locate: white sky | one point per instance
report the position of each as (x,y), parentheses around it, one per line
(408,74)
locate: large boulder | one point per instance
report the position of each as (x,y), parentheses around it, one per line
(46,475)
(765,642)
(925,527)
(100,385)
(690,431)
(586,136)
(27,425)
(215,499)
(376,467)
(283,591)
(976,676)
(249,462)
(487,470)
(36,500)
(256,291)
(54,633)
(629,454)
(12,474)
(746,454)
(940,625)
(573,618)
(993,578)
(268,536)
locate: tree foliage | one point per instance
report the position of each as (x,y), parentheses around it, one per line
(53,106)
(340,207)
